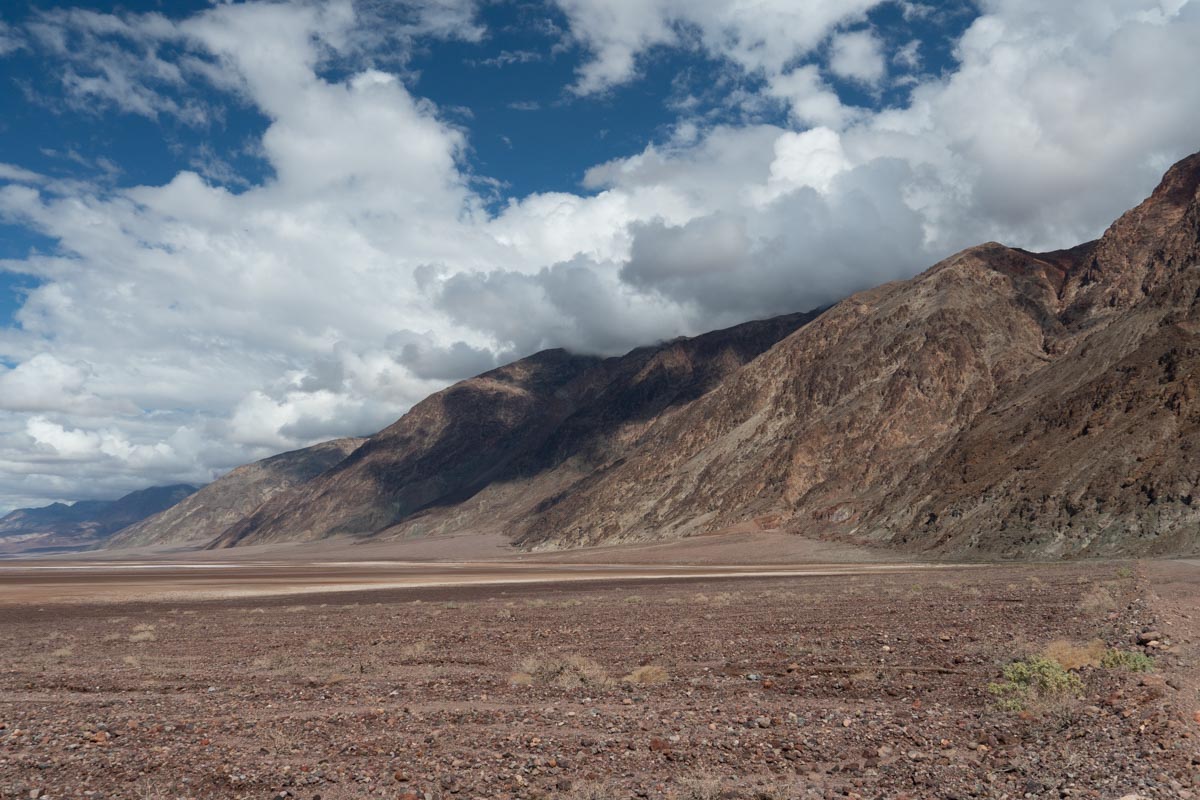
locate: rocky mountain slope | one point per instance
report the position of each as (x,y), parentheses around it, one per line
(484,452)
(231,497)
(82,525)
(1002,403)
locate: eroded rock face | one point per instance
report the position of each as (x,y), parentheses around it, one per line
(1097,451)
(230,498)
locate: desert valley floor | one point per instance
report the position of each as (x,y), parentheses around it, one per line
(552,677)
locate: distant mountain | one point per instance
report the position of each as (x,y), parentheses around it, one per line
(232,497)
(83,525)
(1002,403)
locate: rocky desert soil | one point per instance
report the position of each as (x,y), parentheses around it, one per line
(860,686)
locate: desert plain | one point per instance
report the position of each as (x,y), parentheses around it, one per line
(184,674)
(611,674)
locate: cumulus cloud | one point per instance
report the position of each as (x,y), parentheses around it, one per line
(857,55)
(181,328)
(764,36)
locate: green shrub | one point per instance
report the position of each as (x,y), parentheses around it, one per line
(1033,680)
(1126,660)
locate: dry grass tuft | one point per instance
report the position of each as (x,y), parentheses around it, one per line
(593,790)
(1097,600)
(1075,656)
(700,788)
(143,633)
(414,651)
(649,675)
(567,672)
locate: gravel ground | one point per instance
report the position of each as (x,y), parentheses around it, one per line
(869,686)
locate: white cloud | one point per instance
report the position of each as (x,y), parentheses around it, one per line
(10,39)
(181,328)
(858,56)
(764,35)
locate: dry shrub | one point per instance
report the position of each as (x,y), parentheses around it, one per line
(1127,661)
(1036,684)
(648,675)
(634,599)
(567,672)
(1075,656)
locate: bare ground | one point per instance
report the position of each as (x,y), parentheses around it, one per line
(869,685)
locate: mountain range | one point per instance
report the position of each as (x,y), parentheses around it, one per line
(83,525)
(1003,403)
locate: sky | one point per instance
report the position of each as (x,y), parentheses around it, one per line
(231,229)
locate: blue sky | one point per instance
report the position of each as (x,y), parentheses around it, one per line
(229,229)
